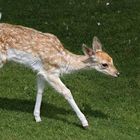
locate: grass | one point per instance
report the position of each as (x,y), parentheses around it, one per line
(112,106)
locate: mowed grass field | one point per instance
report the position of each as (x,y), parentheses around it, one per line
(111,105)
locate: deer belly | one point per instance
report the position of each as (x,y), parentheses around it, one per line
(25,58)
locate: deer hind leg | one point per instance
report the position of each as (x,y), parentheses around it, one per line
(40,89)
(63,90)
(1,64)
(2,59)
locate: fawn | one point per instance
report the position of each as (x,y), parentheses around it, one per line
(44,53)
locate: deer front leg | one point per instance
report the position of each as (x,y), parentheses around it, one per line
(40,89)
(63,90)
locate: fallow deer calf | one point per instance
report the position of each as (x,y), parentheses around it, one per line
(44,53)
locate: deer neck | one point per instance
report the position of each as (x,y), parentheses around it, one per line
(76,62)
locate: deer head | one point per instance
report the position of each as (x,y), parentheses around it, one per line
(98,59)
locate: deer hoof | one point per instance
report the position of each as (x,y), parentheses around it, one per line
(85,126)
(38,119)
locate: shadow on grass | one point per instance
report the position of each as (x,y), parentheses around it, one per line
(48,110)
(95,113)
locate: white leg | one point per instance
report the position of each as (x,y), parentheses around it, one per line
(1,65)
(63,90)
(2,59)
(40,89)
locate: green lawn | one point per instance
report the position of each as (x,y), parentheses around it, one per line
(111,105)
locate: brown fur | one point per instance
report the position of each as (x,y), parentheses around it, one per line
(104,56)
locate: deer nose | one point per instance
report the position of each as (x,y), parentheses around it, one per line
(118,74)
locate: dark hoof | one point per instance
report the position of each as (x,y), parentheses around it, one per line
(85,127)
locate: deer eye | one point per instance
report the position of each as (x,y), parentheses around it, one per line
(105,65)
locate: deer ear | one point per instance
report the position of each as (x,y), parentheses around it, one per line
(96,44)
(87,51)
